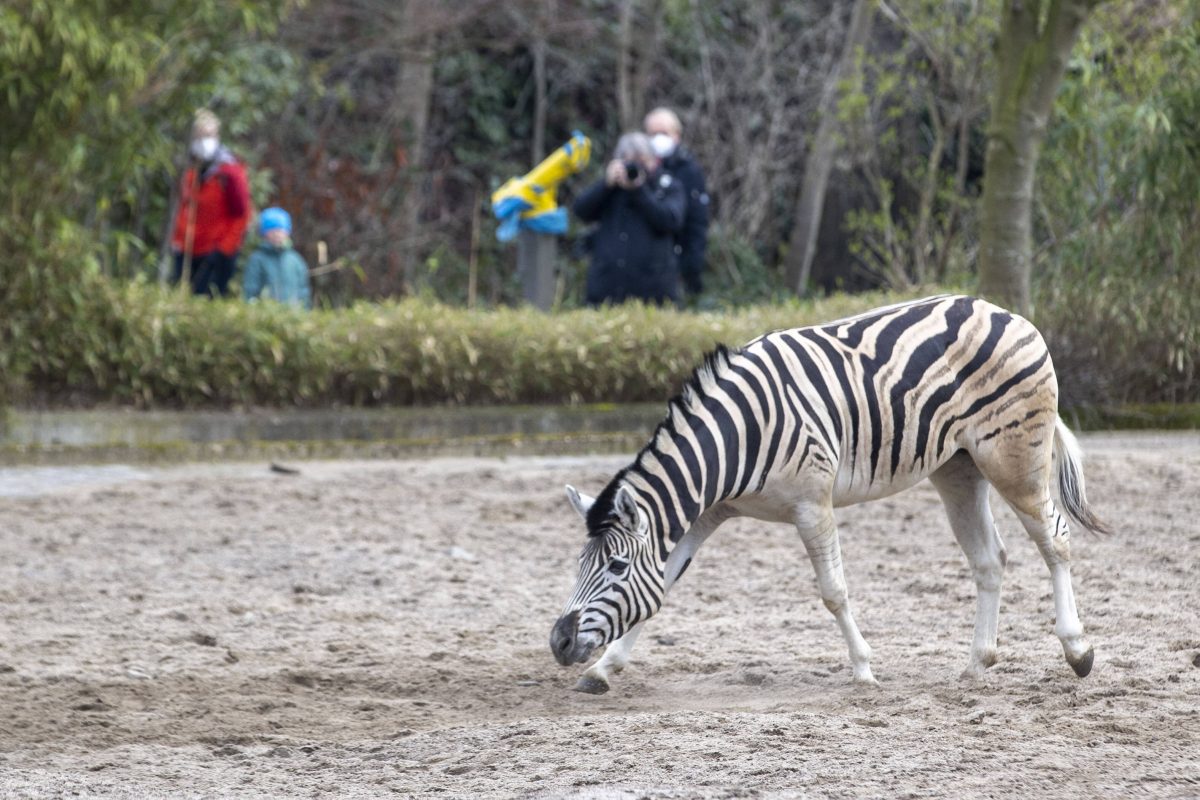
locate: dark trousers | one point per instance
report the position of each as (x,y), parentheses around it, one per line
(210,272)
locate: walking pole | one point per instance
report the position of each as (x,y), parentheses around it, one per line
(473,256)
(165,262)
(185,278)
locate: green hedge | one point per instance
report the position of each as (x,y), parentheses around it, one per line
(155,348)
(146,347)
(1122,339)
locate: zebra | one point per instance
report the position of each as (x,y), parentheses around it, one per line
(799,422)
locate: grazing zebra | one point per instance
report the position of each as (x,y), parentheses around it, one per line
(800,422)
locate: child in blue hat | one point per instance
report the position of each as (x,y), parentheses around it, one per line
(276,270)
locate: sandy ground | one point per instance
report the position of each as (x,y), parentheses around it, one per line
(380,628)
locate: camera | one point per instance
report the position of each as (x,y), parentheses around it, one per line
(632,170)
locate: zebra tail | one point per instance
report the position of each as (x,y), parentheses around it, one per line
(1070,479)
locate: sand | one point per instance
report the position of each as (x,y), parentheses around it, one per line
(380,628)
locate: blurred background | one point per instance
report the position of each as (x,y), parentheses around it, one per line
(384,127)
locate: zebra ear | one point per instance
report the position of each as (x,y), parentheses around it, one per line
(626,508)
(580,502)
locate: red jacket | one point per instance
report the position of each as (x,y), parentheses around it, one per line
(221,210)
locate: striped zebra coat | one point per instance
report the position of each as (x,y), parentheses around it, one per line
(799,422)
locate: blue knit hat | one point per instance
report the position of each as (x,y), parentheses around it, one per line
(273,218)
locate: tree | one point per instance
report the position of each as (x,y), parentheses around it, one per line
(821,154)
(1036,37)
(94,101)
(910,142)
(414,86)
(637,47)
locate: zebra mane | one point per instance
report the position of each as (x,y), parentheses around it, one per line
(602,511)
(699,385)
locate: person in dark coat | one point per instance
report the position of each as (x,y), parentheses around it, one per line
(666,134)
(640,210)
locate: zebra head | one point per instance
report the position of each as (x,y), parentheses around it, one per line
(620,579)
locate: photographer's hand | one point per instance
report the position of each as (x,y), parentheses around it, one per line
(614,174)
(617,174)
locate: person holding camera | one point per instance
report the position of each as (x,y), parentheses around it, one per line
(640,209)
(665,130)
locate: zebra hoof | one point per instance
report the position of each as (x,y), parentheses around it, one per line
(1084,665)
(978,665)
(865,682)
(591,685)
(972,674)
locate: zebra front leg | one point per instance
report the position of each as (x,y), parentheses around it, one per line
(819,533)
(595,680)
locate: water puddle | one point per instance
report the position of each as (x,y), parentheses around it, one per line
(33,481)
(71,437)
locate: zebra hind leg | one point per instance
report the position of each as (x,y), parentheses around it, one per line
(1049,531)
(820,536)
(1027,492)
(964,492)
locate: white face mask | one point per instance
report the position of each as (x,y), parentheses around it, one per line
(662,144)
(205,148)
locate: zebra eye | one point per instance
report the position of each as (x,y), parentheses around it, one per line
(618,566)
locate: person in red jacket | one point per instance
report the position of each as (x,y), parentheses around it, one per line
(214,211)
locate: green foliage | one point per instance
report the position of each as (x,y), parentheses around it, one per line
(1116,340)
(912,123)
(1149,416)
(147,347)
(1118,186)
(138,344)
(737,275)
(1121,170)
(95,103)
(478,87)
(96,99)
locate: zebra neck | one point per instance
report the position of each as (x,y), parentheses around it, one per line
(670,481)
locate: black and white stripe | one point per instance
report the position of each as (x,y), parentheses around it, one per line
(820,417)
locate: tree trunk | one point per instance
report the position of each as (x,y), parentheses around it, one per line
(960,190)
(637,44)
(646,48)
(1005,222)
(538,146)
(1031,60)
(819,163)
(922,238)
(414,87)
(709,98)
(625,110)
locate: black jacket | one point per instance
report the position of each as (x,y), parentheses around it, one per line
(693,239)
(633,250)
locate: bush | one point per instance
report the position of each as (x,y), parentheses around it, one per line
(1120,340)
(147,347)
(141,345)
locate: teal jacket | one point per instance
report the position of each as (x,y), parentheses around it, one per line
(278,273)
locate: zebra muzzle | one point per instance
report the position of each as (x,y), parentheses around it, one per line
(566,644)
